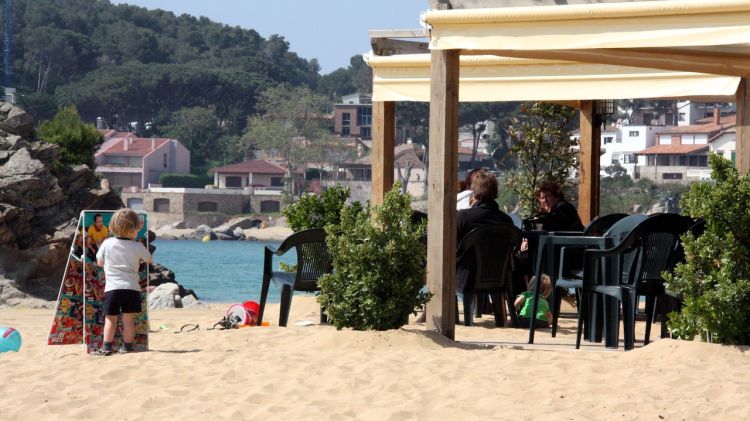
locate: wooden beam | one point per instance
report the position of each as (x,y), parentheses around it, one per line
(588,169)
(441,193)
(742,143)
(383,142)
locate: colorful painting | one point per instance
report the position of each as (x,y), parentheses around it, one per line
(79,317)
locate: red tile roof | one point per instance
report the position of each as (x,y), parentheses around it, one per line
(134,146)
(463,150)
(726,119)
(255,166)
(672,149)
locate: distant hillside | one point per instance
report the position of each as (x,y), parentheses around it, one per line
(127,63)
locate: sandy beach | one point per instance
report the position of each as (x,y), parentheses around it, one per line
(317,372)
(257,234)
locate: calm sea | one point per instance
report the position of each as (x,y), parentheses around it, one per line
(220,271)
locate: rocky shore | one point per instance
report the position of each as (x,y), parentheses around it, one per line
(40,201)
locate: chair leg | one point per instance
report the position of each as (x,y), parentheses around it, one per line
(497,307)
(480,302)
(511,308)
(286,305)
(556,302)
(650,301)
(629,308)
(468,309)
(457,320)
(263,297)
(582,303)
(323,317)
(611,322)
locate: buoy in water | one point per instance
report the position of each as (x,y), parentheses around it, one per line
(206,238)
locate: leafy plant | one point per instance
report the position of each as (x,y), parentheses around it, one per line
(543,149)
(77,140)
(378,266)
(715,279)
(185,180)
(317,210)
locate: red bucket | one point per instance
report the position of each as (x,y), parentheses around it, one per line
(253,308)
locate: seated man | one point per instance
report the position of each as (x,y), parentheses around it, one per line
(96,234)
(558,214)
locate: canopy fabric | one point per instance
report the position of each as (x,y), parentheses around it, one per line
(491,78)
(703,36)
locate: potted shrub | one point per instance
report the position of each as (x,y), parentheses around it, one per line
(715,279)
(378,262)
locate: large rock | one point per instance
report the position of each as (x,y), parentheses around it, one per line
(190,301)
(26,182)
(242,223)
(16,121)
(11,296)
(163,296)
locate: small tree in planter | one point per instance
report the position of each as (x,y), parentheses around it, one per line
(317,210)
(715,279)
(378,266)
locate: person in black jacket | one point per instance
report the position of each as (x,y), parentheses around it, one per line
(558,214)
(483,211)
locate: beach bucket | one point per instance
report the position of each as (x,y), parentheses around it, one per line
(246,317)
(252,307)
(10,339)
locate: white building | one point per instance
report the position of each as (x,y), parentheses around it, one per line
(620,144)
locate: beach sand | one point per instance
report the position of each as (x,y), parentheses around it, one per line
(317,372)
(277,234)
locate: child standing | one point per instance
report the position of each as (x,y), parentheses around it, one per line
(524,304)
(120,257)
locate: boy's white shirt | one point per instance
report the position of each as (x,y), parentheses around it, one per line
(121,260)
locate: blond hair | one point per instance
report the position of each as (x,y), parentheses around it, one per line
(546,287)
(124,222)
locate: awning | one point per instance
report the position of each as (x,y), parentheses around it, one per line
(702,36)
(491,78)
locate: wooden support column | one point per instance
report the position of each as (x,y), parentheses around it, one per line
(742,142)
(588,169)
(441,193)
(383,142)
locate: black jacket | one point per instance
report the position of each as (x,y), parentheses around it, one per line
(563,217)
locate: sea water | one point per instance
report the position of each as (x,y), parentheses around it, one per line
(220,271)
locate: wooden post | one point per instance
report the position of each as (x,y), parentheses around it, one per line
(742,140)
(441,194)
(588,169)
(383,142)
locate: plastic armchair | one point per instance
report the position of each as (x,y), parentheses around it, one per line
(487,251)
(313,261)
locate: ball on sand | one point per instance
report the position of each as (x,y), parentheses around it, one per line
(10,339)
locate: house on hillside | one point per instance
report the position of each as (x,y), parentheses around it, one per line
(681,154)
(255,173)
(353,116)
(131,162)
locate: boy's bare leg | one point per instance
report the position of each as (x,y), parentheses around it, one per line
(110,326)
(128,327)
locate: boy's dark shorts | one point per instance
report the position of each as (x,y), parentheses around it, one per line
(121,301)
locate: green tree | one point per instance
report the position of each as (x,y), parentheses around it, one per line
(291,121)
(715,279)
(77,140)
(198,129)
(543,148)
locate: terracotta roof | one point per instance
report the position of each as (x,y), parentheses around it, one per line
(255,166)
(463,150)
(672,149)
(726,119)
(136,146)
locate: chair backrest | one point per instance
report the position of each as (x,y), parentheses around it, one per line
(648,250)
(517,220)
(602,223)
(620,229)
(492,247)
(313,258)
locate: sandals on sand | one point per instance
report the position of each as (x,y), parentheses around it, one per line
(188,328)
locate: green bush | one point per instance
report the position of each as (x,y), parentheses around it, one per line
(715,279)
(378,266)
(77,140)
(317,210)
(185,180)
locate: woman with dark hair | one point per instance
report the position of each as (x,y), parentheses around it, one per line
(463,199)
(558,214)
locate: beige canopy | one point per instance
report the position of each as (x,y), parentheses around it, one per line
(490,78)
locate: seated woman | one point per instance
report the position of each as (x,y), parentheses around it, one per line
(558,214)
(483,211)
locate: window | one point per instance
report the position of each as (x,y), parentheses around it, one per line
(116,160)
(233,182)
(720,153)
(165,160)
(135,203)
(633,133)
(607,139)
(671,176)
(135,161)
(346,119)
(618,140)
(365,133)
(277,182)
(161,205)
(732,156)
(364,116)
(208,207)
(681,117)
(628,158)
(615,158)
(345,131)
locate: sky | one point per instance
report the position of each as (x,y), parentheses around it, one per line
(330,30)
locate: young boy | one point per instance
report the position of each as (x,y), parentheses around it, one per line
(120,257)
(524,304)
